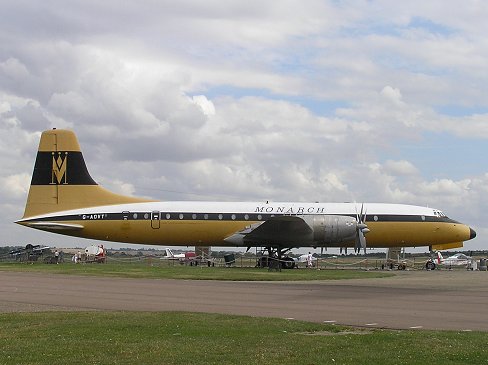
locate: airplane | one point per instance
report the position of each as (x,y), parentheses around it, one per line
(458,259)
(29,252)
(179,256)
(63,198)
(190,258)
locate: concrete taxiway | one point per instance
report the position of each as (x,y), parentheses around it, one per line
(456,300)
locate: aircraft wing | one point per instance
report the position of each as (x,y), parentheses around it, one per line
(40,249)
(282,231)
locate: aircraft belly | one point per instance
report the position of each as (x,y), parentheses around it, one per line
(180,233)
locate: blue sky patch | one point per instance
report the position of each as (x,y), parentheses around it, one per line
(430,26)
(442,155)
(316,106)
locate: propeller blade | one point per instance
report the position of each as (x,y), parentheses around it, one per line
(358,215)
(361,229)
(362,239)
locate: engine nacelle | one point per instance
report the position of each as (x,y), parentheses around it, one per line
(332,229)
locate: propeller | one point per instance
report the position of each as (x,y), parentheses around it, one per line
(361,230)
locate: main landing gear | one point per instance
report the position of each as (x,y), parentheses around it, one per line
(276,259)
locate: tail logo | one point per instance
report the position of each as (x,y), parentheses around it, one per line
(60,164)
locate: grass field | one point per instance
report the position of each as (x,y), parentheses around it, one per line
(194,338)
(184,338)
(154,270)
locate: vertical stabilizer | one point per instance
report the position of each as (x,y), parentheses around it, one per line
(439,258)
(61,181)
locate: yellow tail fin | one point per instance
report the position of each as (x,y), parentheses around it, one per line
(61,181)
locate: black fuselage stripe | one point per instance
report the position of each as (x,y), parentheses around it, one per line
(232,217)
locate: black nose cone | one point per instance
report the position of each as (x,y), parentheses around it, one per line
(472,233)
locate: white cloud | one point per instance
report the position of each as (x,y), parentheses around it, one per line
(207,106)
(14,69)
(400,167)
(121,187)
(392,94)
(15,185)
(446,186)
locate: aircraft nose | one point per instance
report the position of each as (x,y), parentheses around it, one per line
(472,233)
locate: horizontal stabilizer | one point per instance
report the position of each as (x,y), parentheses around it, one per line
(52,226)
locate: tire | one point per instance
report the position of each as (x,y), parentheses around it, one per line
(430,265)
(288,263)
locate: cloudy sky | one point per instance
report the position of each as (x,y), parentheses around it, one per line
(368,101)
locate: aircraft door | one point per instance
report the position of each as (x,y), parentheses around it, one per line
(155,217)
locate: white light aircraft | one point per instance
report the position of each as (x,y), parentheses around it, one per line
(63,198)
(178,256)
(458,259)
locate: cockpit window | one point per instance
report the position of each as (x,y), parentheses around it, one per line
(439,214)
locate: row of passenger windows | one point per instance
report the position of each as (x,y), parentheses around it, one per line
(195,216)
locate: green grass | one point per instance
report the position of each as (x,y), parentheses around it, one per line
(156,270)
(183,338)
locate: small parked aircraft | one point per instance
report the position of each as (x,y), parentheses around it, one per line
(29,252)
(458,259)
(179,256)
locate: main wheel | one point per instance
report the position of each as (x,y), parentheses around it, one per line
(287,263)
